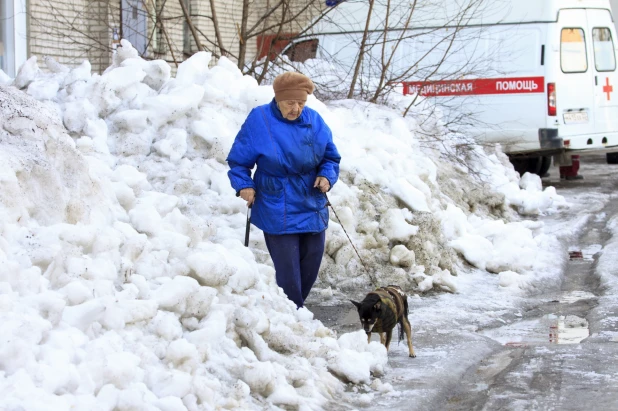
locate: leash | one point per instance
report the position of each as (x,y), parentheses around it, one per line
(371,277)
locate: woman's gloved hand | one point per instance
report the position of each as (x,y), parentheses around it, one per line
(322,184)
(248,194)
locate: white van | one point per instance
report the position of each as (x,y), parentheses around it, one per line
(539,74)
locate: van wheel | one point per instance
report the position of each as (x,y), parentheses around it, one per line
(545,164)
(612,158)
(527,165)
(519,164)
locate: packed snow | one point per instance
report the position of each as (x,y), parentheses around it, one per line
(124,281)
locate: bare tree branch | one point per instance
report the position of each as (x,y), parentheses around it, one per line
(386,66)
(215,22)
(157,20)
(242,34)
(361,51)
(265,16)
(191,26)
(270,48)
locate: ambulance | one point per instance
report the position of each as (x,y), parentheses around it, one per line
(538,76)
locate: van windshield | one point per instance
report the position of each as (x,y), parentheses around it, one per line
(604,55)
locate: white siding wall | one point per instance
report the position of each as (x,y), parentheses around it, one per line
(229,14)
(71,31)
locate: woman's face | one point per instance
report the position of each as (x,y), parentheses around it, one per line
(291,109)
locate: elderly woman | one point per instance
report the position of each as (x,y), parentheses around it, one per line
(297,162)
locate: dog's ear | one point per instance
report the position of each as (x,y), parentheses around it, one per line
(378,306)
(355,303)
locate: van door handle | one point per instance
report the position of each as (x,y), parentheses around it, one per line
(596,80)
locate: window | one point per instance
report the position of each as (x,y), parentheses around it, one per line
(6,37)
(573,51)
(134,24)
(158,38)
(604,55)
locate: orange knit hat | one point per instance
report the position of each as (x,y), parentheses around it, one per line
(292,86)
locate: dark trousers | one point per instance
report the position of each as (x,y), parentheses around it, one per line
(297,259)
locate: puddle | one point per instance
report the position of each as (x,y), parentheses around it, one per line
(587,254)
(591,250)
(574,296)
(550,328)
(600,217)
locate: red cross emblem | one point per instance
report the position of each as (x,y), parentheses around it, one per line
(608,88)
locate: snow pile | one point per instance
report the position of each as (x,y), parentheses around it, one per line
(112,297)
(412,214)
(43,177)
(606,265)
(403,185)
(123,279)
(357,362)
(602,317)
(525,194)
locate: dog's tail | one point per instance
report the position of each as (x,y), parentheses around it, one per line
(405,315)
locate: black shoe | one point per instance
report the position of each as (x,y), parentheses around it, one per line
(577,177)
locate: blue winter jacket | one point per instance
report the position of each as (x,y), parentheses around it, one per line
(289,156)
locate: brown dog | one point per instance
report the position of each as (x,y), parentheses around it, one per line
(381,310)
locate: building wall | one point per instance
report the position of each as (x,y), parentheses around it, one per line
(229,16)
(71,31)
(279,28)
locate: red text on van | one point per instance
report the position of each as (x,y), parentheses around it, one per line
(512,85)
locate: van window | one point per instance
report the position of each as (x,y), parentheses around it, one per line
(573,51)
(604,55)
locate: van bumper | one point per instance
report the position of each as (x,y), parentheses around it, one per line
(590,142)
(547,144)
(549,139)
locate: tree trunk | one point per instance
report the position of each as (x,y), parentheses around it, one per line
(270,48)
(242,34)
(386,65)
(361,51)
(191,26)
(215,21)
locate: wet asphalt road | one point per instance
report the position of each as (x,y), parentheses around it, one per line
(465,368)
(552,376)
